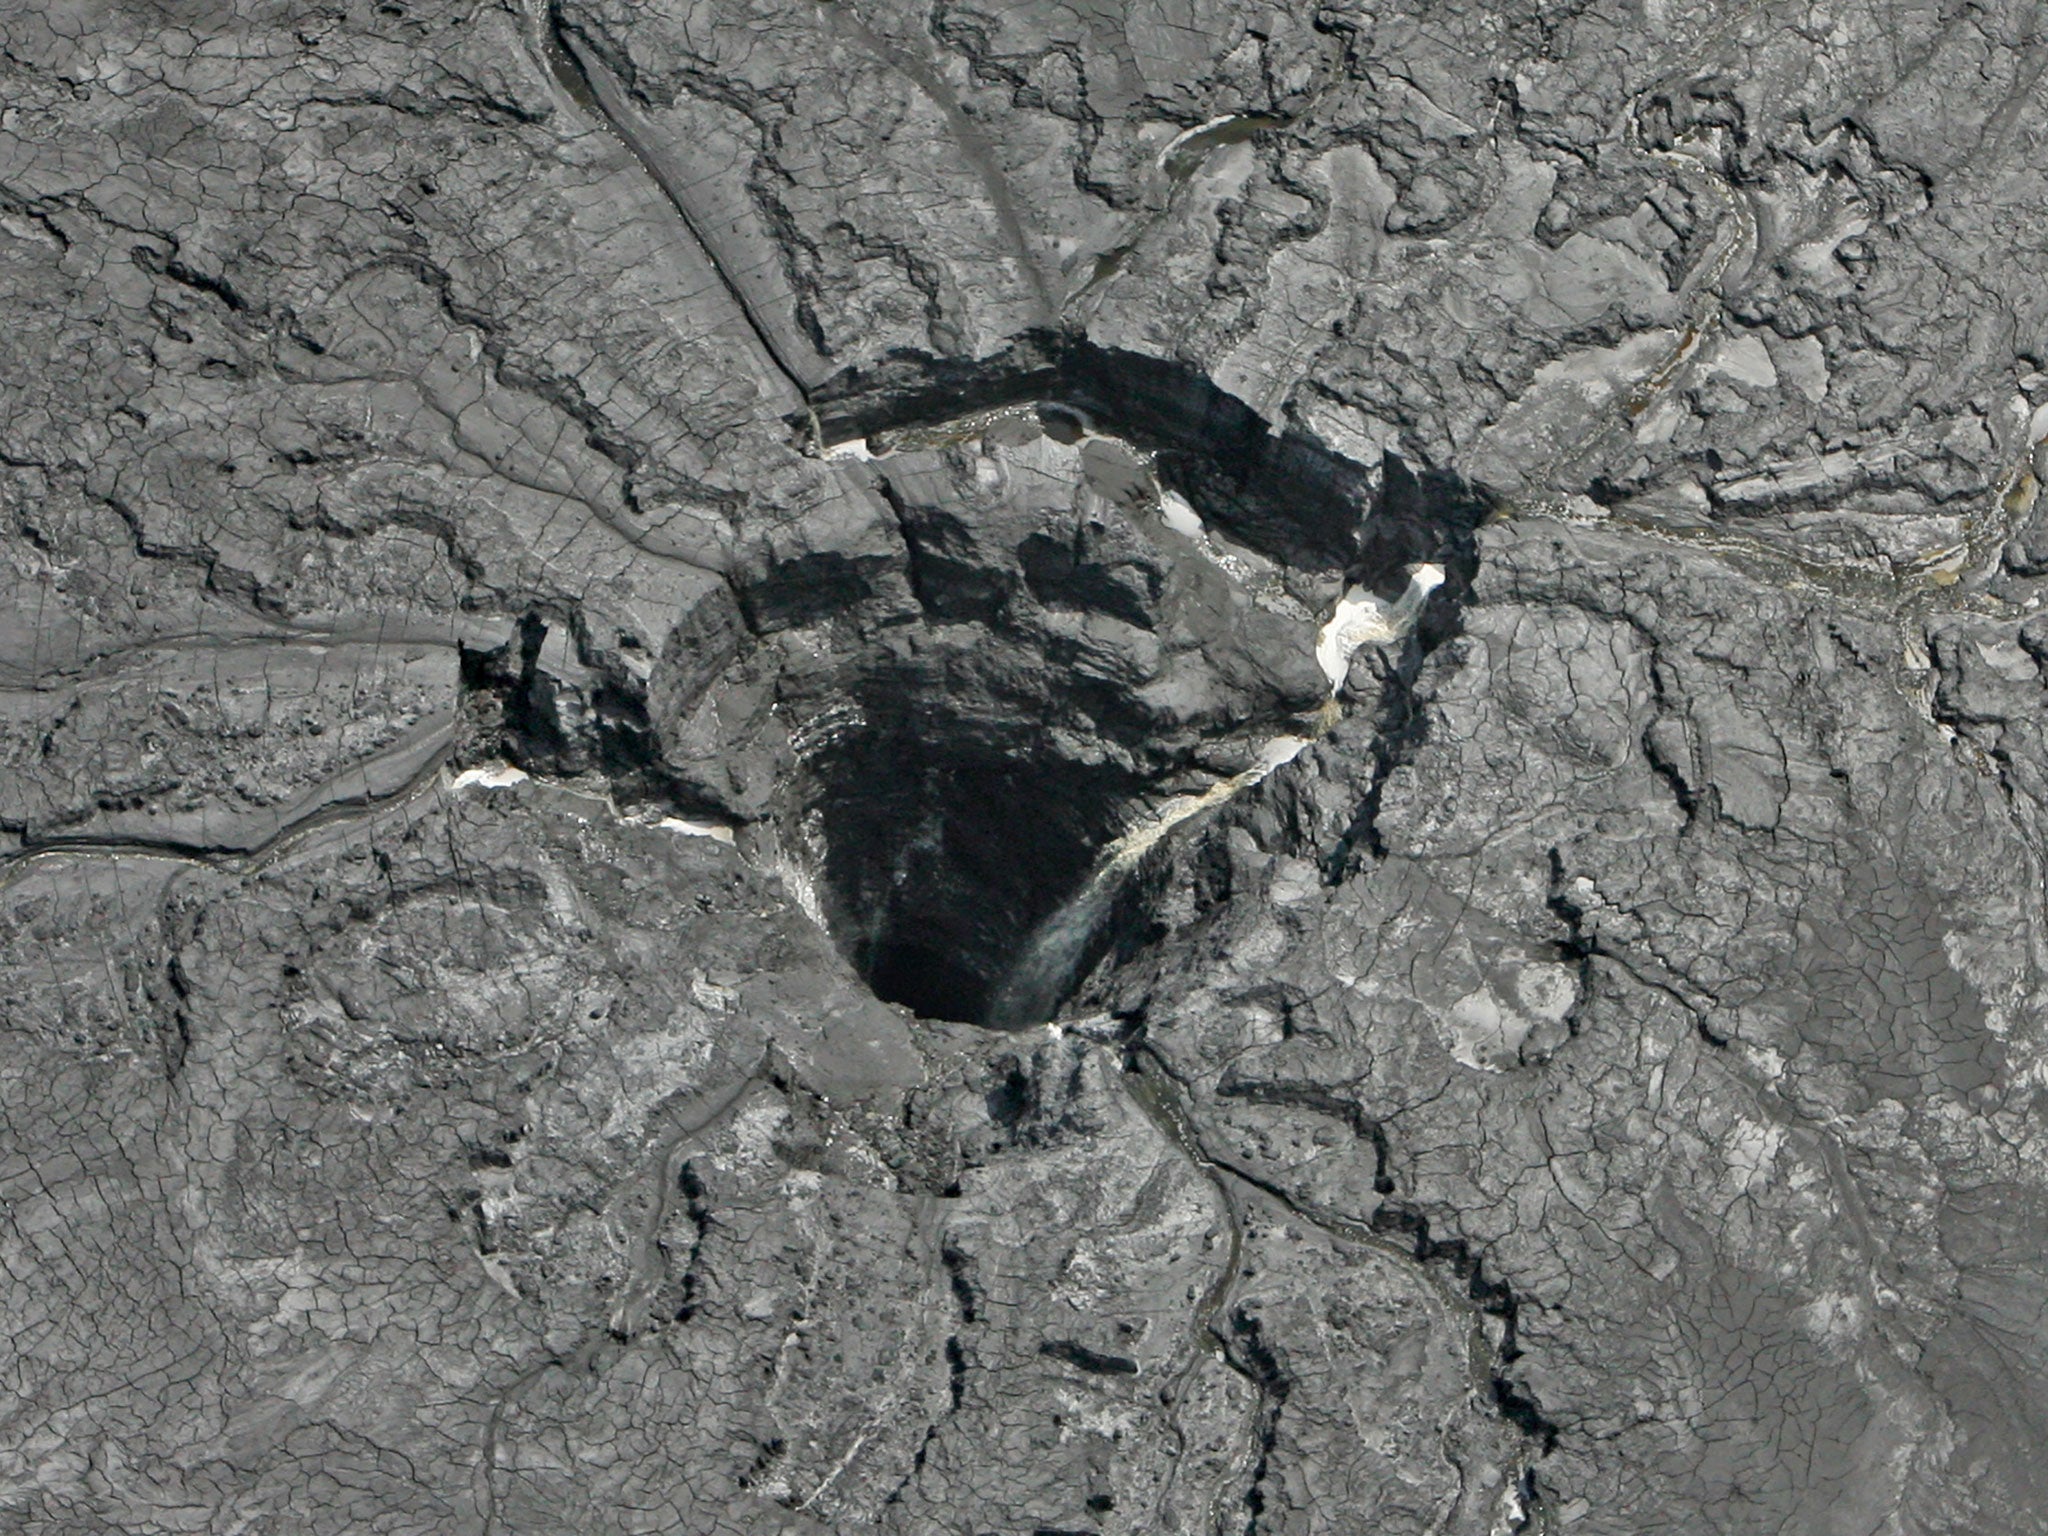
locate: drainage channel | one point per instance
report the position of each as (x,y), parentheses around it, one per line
(1163,1102)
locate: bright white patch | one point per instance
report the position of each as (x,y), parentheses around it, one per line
(504,776)
(1511,1516)
(1280,751)
(1490,1024)
(1362,619)
(854,448)
(754,1129)
(1546,991)
(798,879)
(1359,617)
(1485,1035)
(1188,135)
(710,829)
(1134,844)
(497,776)
(1180,517)
(1747,361)
(1184,520)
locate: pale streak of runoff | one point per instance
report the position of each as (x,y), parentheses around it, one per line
(1362,619)
(1046,968)
(505,776)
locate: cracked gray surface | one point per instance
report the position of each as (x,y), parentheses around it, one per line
(582,583)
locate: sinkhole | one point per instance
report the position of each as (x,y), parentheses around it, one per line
(944,852)
(1111,585)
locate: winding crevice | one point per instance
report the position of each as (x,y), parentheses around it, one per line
(1461,1272)
(1495,1298)
(692,1190)
(1319,1100)
(1253,1358)
(580,68)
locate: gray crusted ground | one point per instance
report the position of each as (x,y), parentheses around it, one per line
(593,592)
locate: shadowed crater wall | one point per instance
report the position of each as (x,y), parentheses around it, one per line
(1283,493)
(1093,583)
(944,850)
(1080,657)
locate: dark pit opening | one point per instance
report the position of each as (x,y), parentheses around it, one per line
(944,849)
(1004,736)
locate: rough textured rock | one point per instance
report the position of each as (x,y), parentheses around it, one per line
(676,854)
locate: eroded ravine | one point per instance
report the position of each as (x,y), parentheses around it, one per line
(858,737)
(1453,1276)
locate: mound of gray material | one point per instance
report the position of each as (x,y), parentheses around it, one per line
(777,767)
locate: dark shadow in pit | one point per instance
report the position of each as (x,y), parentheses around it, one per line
(1283,494)
(951,847)
(944,848)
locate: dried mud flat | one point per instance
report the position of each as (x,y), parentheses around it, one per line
(797,766)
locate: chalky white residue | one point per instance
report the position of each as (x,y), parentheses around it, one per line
(710,829)
(1180,517)
(1129,848)
(800,885)
(496,776)
(504,776)
(1187,135)
(1046,968)
(1362,619)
